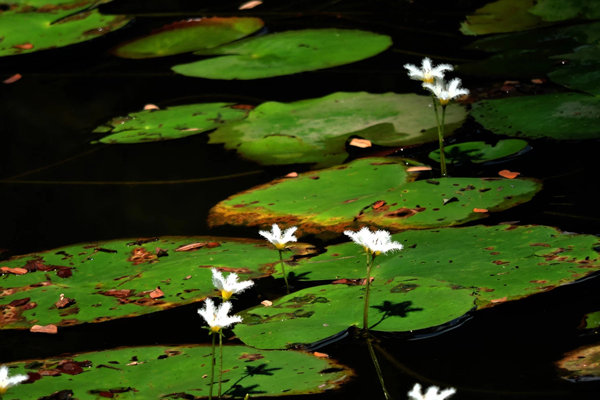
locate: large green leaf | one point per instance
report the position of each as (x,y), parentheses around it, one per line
(479,152)
(179,372)
(309,315)
(582,364)
(316,130)
(373,191)
(113,279)
(564,116)
(498,262)
(169,123)
(585,78)
(38,25)
(560,10)
(286,53)
(188,35)
(502,16)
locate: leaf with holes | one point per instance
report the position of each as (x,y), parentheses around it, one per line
(496,262)
(480,152)
(169,123)
(327,202)
(309,315)
(39,25)
(580,365)
(286,53)
(188,35)
(116,279)
(178,372)
(316,130)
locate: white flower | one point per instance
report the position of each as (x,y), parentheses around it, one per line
(279,239)
(444,92)
(218,318)
(230,286)
(431,394)
(7,382)
(426,73)
(377,242)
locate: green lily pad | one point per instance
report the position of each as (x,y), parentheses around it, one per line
(113,279)
(286,53)
(188,35)
(591,321)
(309,315)
(169,123)
(373,191)
(585,78)
(479,152)
(39,25)
(582,364)
(499,263)
(316,130)
(502,16)
(564,116)
(560,10)
(177,373)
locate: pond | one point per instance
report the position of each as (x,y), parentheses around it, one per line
(132,166)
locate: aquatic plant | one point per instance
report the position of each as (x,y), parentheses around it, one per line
(6,382)
(230,286)
(280,240)
(433,393)
(217,319)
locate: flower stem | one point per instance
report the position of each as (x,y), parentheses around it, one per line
(378,369)
(440,135)
(221,358)
(212,368)
(370,258)
(287,287)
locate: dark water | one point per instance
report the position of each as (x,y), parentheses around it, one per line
(46,118)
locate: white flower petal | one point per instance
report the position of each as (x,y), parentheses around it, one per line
(279,239)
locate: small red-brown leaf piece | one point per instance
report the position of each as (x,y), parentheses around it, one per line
(322,355)
(25,46)
(19,302)
(362,143)
(378,204)
(291,175)
(189,247)
(64,302)
(508,174)
(118,293)
(156,293)
(49,372)
(187,277)
(250,4)
(243,107)
(266,303)
(480,210)
(151,107)
(212,245)
(44,329)
(363,281)
(16,271)
(12,79)
(502,300)
(537,81)
(418,169)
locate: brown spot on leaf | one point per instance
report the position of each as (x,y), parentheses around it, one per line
(141,255)
(540,244)
(251,357)
(118,293)
(404,212)
(19,302)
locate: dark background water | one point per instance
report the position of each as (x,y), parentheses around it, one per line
(76,192)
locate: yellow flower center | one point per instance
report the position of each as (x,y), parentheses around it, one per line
(3,390)
(280,246)
(428,79)
(215,328)
(444,101)
(226,295)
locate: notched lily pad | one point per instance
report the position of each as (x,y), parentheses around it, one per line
(116,279)
(479,152)
(286,53)
(26,27)
(502,16)
(170,123)
(178,373)
(309,315)
(591,321)
(188,35)
(499,263)
(377,192)
(316,130)
(563,116)
(581,365)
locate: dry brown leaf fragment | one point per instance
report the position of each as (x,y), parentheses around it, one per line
(136,363)
(480,210)
(189,247)
(156,293)
(323,355)
(418,169)
(266,303)
(63,301)
(12,79)
(16,271)
(44,329)
(250,4)
(362,143)
(503,299)
(151,107)
(25,46)
(537,81)
(363,281)
(508,174)
(291,175)
(187,277)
